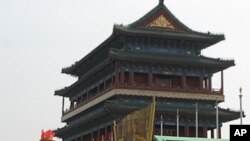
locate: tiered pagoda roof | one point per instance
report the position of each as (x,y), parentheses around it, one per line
(160,22)
(116,108)
(216,64)
(157,23)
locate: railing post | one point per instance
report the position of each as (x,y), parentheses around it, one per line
(222,83)
(210,83)
(212,133)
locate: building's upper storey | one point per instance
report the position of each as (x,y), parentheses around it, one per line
(157,31)
(157,41)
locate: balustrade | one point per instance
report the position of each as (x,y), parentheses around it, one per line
(148,81)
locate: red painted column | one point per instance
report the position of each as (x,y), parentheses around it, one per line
(92,136)
(98,89)
(102,135)
(105,133)
(71,104)
(131,78)
(206,84)
(150,79)
(210,83)
(81,138)
(112,81)
(201,83)
(98,135)
(111,135)
(117,78)
(117,73)
(219,133)
(183,82)
(204,132)
(122,77)
(186,131)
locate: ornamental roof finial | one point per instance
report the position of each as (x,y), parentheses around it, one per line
(161,2)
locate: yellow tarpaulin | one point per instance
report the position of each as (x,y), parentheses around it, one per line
(137,126)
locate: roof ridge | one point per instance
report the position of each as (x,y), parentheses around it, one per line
(152,12)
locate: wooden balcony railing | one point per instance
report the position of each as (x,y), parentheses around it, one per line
(142,86)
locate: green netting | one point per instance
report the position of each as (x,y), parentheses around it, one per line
(171,138)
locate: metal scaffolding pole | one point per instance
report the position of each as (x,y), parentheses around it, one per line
(177,122)
(161,125)
(217,119)
(196,120)
(241,112)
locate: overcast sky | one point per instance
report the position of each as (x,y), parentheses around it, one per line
(39,37)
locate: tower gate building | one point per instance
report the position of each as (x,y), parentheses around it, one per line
(156,55)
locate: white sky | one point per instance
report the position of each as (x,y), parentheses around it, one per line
(39,37)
